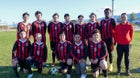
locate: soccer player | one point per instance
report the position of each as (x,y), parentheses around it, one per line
(68,28)
(97,54)
(91,25)
(79,53)
(123,36)
(38,54)
(20,52)
(108,29)
(24,26)
(80,27)
(63,54)
(54,28)
(39,26)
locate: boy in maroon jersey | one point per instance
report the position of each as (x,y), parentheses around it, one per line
(54,28)
(20,52)
(68,28)
(39,26)
(91,25)
(79,53)
(97,54)
(63,54)
(107,31)
(124,33)
(38,54)
(24,26)
(80,27)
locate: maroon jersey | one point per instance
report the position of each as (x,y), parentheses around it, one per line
(90,27)
(22,49)
(79,51)
(39,27)
(39,51)
(108,28)
(69,30)
(97,50)
(54,30)
(81,29)
(22,27)
(63,51)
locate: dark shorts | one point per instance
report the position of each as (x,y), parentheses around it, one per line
(63,65)
(53,45)
(22,64)
(109,43)
(95,67)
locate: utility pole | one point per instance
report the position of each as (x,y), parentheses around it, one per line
(112,8)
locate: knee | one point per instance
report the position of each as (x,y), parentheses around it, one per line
(14,62)
(103,64)
(69,61)
(95,75)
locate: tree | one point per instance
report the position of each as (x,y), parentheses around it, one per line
(132,17)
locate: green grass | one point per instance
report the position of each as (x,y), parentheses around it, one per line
(7,40)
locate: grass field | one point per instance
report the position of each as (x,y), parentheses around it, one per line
(7,40)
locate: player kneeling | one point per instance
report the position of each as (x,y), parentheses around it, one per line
(63,55)
(79,53)
(20,52)
(97,54)
(38,54)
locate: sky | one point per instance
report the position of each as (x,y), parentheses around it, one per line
(12,10)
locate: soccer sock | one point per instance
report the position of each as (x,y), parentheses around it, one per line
(105,73)
(53,57)
(69,69)
(15,69)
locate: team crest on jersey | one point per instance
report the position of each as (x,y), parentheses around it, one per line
(42,25)
(78,51)
(70,26)
(38,52)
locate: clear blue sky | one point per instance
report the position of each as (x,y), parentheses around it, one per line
(12,10)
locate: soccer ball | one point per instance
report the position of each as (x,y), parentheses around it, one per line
(54,71)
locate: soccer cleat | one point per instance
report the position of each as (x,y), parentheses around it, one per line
(118,73)
(83,76)
(110,68)
(30,76)
(68,76)
(53,64)
(128,73)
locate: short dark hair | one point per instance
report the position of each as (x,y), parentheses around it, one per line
(62,32)
(123,14)
(80,16)
(38,12)
(95,31)
(76,34)
(107,9)
(25,14)
(66,15)
(92,14)
(55,14)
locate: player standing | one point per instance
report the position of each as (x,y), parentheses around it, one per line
(54,28)
(107,31)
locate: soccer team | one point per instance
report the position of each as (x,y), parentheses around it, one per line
(72,44)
